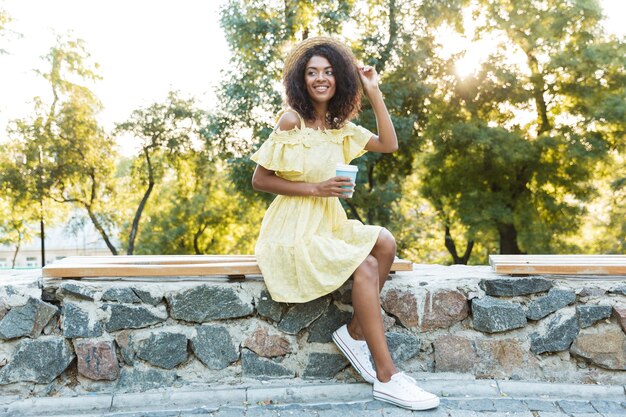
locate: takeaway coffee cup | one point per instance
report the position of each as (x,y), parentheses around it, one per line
(344,170)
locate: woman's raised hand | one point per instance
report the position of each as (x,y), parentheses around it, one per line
(369,78)
(333,187)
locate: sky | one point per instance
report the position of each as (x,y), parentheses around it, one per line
(145,48)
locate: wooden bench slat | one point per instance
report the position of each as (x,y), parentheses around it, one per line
(559,264)
(154,259)
(163,266)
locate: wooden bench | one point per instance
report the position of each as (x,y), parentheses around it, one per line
(232,266)
(559,264)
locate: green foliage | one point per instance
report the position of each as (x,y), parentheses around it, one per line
(200,212)
(167,133)
(528,183)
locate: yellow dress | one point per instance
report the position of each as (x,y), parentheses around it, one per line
(307,247)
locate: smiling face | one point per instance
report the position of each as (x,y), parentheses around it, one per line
(319,79)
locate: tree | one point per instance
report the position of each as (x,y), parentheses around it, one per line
(17,213)
(200,212)
(166,132)
(492,173)
(67,157)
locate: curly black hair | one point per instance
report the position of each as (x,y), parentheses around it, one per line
(346,102)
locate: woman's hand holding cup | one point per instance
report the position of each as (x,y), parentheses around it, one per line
(340,186)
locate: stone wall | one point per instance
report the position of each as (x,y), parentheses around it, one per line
(61,338)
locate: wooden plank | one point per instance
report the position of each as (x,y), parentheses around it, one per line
(559,264)
(164,266)
(154,259)
(126,270)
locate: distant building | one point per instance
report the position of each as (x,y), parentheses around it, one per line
(60,243)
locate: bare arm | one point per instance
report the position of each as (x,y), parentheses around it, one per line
(386,141)
(266,180)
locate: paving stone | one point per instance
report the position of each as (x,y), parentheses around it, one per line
(267,345)
(77,322)
(255,366)
(125,316)
(608,407)
(491,315)
(556,299)
(97,360)
(449,403)
(561,331)
(133,379)
(302,315)
(403,305)
(465,413)
(27,320)
(321,330)
(509,404)
(147,297)
(164,349)
(208,302)
(400,412)
(265,411)
(75,290)
(511,287)
(480,404)
(121,295)
(402,346)
(324,365)
(214,347)
(268,308)
(589,314)
(230,412)
(38,360)
(594,414)
(541,405)
(552,414)
(570,406)
(454,354)
(443,309)
(604,345)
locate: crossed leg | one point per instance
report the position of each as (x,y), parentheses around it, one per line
(367,322)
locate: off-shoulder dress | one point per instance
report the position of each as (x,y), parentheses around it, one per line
(307,247)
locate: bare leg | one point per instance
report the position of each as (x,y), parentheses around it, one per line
(366,303)
(385,252)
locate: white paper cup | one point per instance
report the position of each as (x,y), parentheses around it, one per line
(344,170)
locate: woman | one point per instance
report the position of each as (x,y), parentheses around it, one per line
(307,247)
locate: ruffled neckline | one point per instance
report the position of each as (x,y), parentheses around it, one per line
(334,135)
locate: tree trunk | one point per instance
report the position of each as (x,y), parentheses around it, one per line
(538,90)
(100,229)
(196,239)
(354,211)
(135,227)
(17,249)
(508,239)
(451,246)
(393,34)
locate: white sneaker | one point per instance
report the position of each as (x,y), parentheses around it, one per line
(402,390)
(357,353)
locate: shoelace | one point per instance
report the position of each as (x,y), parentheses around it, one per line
(367,356)
(407,381)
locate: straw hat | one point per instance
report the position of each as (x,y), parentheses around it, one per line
(300,49)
